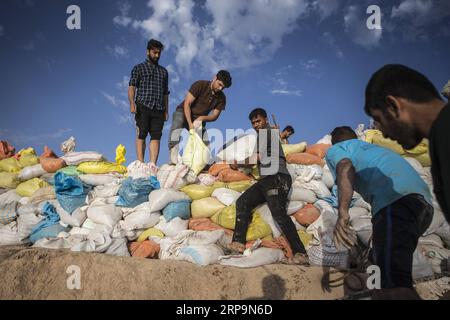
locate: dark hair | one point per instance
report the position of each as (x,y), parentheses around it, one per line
(289,128)
(225,77)
(155,44)
(344,133)
(257,112)
(398,81)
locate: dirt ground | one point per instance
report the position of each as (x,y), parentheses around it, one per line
(34,273)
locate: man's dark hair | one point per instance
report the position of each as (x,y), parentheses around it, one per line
(344,133)
(398,81)
(155,44)
(290,129)
(257,112)
(225,77)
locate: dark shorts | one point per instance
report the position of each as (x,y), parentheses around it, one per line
(148,121)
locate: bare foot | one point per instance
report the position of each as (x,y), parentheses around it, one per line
(236,247)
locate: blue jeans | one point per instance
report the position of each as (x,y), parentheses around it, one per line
(178,124)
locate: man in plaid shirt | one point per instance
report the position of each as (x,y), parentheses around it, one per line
(150,104)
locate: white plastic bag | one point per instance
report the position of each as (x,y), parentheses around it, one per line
(99,179)
(302,194)
(9,203)
(141,217)
(196,154)
(239,150)
(160,198)
(173,227)
(75,158)
(138,169)
(173,177)
(108,214)
(31,172)
(226,196)
(294,206)
(258,257)
(318,187)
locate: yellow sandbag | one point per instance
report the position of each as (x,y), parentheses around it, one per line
(423,158)
(255,173)
(268,238)
(100,167)
(239,186)
(28,160)
(258,228)
(305,237)
(293,148)
(120,154)
(152,232)
(11,165)
(196,154)
(206,207)
(27,188)
(8,180)
(197,191)
(27,151)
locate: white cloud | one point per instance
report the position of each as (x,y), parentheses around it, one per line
(2,31)
(125,119)
(325,7)
(116,102)
(123,20)
(310,65)
(20,138)
(285,92)
(234,34)
(118,51)
(174,77)
(329,38)
(280,85)
(413,17)
(312,68)
(122,86)
(356,27)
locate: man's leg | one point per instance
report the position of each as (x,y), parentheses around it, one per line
(156,127)
(276,195)
(251,198)
(178,123)
(141,118)
(140,149)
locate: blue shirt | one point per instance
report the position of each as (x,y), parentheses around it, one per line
(382,176)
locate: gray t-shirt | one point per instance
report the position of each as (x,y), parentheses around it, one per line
(272,158)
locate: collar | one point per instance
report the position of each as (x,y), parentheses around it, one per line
(150,62)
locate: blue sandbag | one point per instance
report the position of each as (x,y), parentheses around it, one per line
(133,192)
(48,227)
(48,232)
(70,191)
(181,209)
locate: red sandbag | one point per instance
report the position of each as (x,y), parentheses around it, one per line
(277,243)
(230,175)
(319,149)
(216,168)
(6,150)
(205,224)
(51,165)
(307,215)
(48,153)
(144,249)
(304,158)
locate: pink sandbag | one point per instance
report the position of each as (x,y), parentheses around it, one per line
(307,215)
(304,158)
(230,175)
(319,149)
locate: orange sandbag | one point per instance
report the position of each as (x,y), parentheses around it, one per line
(304,158)
(230,175)
(48,153)
(51,165)
(215,169)
(319,149)
(277,243)
(6,150)
(205,224)
(307,215)
(144,249)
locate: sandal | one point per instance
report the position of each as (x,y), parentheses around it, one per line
(236,248)
(298,259)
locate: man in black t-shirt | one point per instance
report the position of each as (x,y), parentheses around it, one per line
(407,107)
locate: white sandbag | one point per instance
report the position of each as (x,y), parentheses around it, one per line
(53,243)
(75,158)
(138,169)
(202,255)
(431,240)
(103,201)
(294,206)
(43,194)
(304,173)
(239,150)
(173,176)
(99,179)
(258,257)
(421,268)
(160,198)
(94,242)
(302,194)
(297,225)
(106,190)
(76,219)
(118,248)
(438,218)
(68,145)
(226,196)
(444,232)
(266,215)
(140,220)
(108,215)
(360,219)
(24,201)
(359,202)
(9,234)
(206,179)
(325,140)
(327,177)
(9,203)
(173,227)
(323,228)
(29,217)
(318,187)
(31,172)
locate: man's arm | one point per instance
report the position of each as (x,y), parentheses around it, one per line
(166,107)
(131,95)
(345,176)
(210,118)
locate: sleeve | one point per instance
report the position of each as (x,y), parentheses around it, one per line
(166,83)
(221,104)
(334,155)
(135,77)
(195,89)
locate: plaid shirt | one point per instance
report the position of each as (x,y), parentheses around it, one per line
(151,81)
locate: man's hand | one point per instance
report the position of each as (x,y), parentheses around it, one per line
(166,115)
(133,108)
(191,125)
(344,235)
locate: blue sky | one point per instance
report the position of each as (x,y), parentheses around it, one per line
(306,61)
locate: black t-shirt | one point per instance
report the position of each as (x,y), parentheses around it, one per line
(269,157)
(440,159)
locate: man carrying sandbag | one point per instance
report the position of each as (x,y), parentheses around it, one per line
(407,107)
(203,97)
(150,104)
(273,188)
(400,200)
(286,133)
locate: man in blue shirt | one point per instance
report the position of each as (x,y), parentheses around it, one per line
(400,200)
